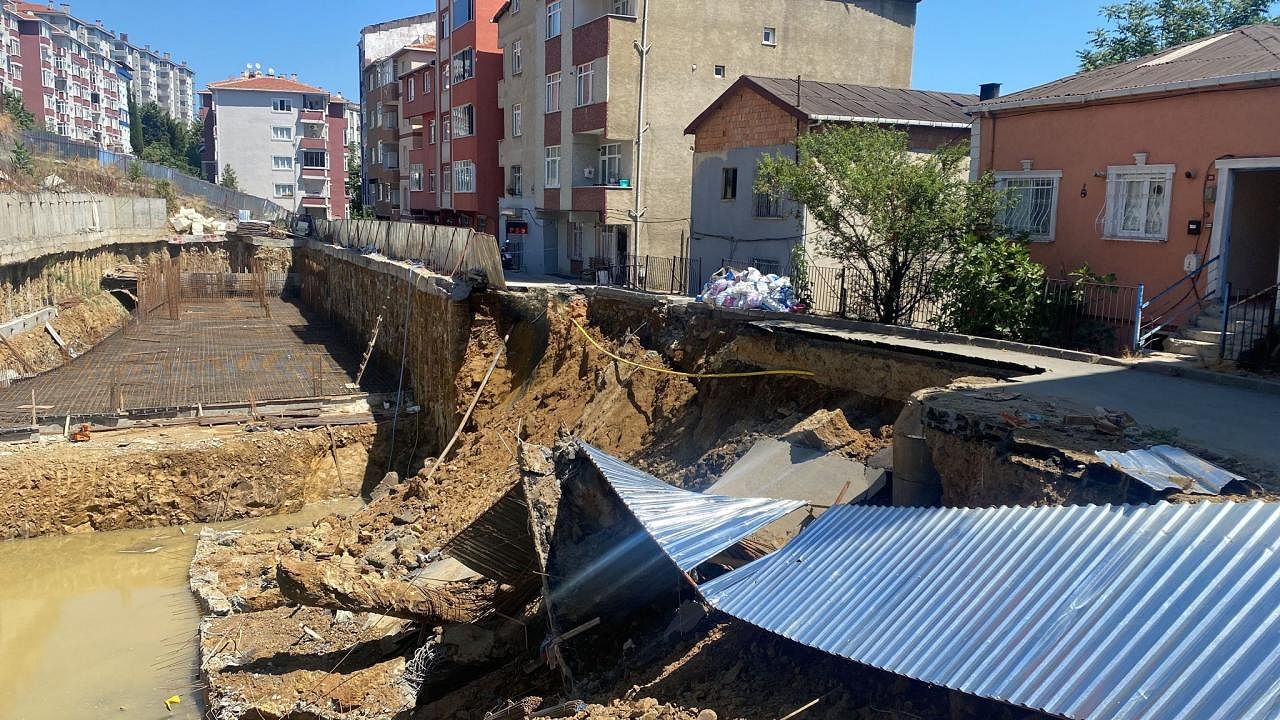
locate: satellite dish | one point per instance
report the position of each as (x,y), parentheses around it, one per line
(271,71)
(257,66)
(248,66)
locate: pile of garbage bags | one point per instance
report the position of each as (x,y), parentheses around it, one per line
(750,289)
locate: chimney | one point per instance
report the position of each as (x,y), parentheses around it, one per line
(65,8)
(988,91)
(166,56)
(124,37)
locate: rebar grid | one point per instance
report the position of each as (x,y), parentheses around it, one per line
(217,352)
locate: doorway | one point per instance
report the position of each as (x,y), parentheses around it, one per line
(1253,260)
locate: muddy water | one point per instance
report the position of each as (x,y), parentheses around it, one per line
(102,625)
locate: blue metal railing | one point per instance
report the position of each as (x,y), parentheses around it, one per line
(1177,313)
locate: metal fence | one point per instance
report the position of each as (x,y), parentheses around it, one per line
(673,275)
(44,142)
(1250,334)
(1089,316)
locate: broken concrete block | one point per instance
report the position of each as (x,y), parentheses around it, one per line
(827,430)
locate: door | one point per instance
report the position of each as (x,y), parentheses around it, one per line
(551,247)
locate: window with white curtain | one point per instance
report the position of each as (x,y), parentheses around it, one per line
(586,76)
(553,92)
(551,167)
(1138,202)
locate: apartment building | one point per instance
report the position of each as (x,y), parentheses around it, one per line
(62,67)
(380,102)
(597,95)
(10,46)
(282,137)
(155,77)
(451,125)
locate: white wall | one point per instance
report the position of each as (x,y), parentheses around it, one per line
(244,140)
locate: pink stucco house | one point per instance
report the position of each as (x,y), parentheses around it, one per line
(1152,169)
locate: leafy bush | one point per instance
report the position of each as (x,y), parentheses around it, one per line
(22,160)
(135,170)
(164,189)
(991,288)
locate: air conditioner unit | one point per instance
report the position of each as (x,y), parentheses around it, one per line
(588,172)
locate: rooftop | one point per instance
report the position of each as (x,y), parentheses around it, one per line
(817,101)
(1246,54)
(266,83)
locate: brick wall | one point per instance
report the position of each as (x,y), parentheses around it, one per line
(746,119)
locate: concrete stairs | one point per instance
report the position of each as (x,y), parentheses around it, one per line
(1201,339)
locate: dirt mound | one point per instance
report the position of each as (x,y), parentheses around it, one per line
(81,325)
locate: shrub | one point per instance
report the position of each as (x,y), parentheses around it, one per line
(991,287)
(164,189)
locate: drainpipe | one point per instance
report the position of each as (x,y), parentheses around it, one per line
(642,49)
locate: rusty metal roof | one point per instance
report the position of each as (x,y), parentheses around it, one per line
(1110,613)
(1250,53)
(816,101)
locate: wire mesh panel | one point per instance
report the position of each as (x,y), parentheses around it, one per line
(1251,336)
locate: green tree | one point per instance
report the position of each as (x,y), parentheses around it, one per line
(992,288)
(22,160)
(135,125)
(21,115)
(889,216)
(168,141)
(1141,27)
(228,179)
(355,198)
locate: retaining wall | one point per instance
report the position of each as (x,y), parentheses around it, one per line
(33,226)
(352,290)
(442,248)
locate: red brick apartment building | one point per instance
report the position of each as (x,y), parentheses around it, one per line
(451,124)
(63,69)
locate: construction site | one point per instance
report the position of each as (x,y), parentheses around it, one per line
(358,474)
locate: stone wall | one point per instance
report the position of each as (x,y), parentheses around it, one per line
(33,226)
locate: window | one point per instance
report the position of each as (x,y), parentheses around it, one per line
(444,75)
(517,181)
(719,71)
(553,92)
(426,82)
(610,163)
(575,243)
(314,159)
(431,181)
(517,57)
(464,176)
(444,24)
(464,121)
(551,168)
(415,177)
(586,75)
(770,36)
(464,65)
(624,7)
(281,162)
(431,132)
(411,83)
(515,6)
(729,184)
(445,133)
(1138,202)
(284,191)
(767,205)
(1033,202)
(553,19)
(281,132)
(446,179)
(516,129)
(463,12)
(282,105)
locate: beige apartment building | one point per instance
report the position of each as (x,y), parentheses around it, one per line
(584,189)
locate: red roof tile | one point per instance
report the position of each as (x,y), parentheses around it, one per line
(266,83)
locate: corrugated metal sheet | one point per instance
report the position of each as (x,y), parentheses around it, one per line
(1252,49)
(690,527)
(1167,611)
(1165,467)
(498,544)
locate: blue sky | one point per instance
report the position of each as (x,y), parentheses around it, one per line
(959,43)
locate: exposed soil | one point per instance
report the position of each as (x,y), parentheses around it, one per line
(81,325)
(185,474)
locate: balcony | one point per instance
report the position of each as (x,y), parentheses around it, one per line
(307,115)
(387,93)
(317,173)
(609,201)
(315,201)
(311,143)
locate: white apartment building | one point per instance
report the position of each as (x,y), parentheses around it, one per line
(157,78)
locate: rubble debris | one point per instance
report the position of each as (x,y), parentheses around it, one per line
(340,585)
(188,221)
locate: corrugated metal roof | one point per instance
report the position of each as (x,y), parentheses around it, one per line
(844,101)
(1165,467)
(1164,611)
(690,527)
(498,544)
(1243,51)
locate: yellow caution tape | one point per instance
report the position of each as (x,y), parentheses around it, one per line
(171,701)
(757,373)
